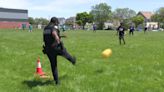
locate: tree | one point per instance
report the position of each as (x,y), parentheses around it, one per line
(42,21)
(137,20)
(126,23)
(31,20)
(159,16)
(123,13)
(83,18)
(101,13)
(70,22)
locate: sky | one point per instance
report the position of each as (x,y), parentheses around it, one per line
(69,8)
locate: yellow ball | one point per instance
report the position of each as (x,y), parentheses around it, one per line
(106,53)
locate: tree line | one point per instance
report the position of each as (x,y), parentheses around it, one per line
(36,21)
(101,13)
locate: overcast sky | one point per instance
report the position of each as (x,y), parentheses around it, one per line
(67,8)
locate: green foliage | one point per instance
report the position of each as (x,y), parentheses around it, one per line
(83,18)
(135,67)
(101,13)
(126,23)
(79,22)
(31,20)
(42,21)
(137,20)
(159,16)
(69,23)
(37,21)
(123,13)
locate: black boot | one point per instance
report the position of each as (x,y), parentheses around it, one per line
(74,60)
(57,82)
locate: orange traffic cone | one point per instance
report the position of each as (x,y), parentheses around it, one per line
(39,68)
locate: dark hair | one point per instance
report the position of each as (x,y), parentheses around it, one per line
(54,20)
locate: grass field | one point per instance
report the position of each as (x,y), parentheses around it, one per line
(137,66)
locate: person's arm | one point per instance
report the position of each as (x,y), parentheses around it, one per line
(55,35)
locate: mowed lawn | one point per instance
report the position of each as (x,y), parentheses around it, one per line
(137,66)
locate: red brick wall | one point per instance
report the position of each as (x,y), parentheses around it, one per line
(7,25)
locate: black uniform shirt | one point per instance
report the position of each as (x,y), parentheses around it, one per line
(131,28)
(47,35)
(121,30)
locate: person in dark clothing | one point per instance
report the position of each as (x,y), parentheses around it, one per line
(94,27)
(53,46)
(145,29)
(131,30)
(120,32)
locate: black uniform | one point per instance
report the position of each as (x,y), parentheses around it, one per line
(131,30)
(145,29)
(120,31)
(53,51)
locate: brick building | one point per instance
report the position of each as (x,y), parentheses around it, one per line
(13,18)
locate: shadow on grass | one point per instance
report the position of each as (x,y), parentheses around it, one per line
(64,77)
(39,82)
(34,83)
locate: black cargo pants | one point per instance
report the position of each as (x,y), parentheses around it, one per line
(52,55)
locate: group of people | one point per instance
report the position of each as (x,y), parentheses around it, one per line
(53,45)
(121,29)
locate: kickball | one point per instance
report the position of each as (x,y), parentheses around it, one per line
(106,53)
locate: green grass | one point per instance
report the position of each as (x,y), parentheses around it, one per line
(137,66)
